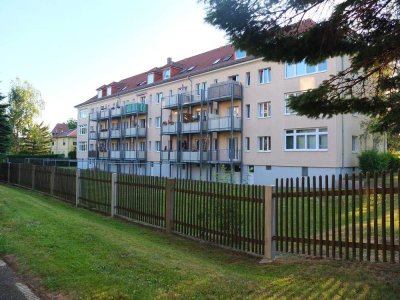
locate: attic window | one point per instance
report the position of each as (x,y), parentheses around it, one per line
(124,88)
(150,78)
(99,93)
(109,91)
(183,71)
(191,68)
(216,61)
(227,58)
(240,54)
(141,83)
(167,73)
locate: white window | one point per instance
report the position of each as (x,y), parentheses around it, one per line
(240,54)
(158,122)
(82,129)
(167,73)
(82,146)
(354,144)
(109,91)
(143,99)
(248,78)
(264,76)
(308,139)
(158,146)
(99,93)
(288,111)
(142,146)
(248,111)
(264,109)
(159,97)
(150,78)
(83,113)
(198,90)
(264,143)
(301,68)
(247,144)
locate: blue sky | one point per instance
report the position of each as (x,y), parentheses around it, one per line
(67,49)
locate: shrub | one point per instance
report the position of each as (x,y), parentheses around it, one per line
(373,161)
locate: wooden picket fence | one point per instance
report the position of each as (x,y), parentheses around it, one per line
(343,217)
(350,217)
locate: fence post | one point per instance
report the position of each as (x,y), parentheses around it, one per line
(269,223)
(77,186)
(169,204)
(19,174)
(52,180)
(114,193)
(8,172)
(33,176)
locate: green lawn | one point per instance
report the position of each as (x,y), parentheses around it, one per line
(84,255)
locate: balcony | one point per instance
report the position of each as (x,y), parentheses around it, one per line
(226,155)
(135,131)
(116,112)
(169,156)
(103,154)
(93,135)
(104,134)
(93,116)
(104,114)
(173,101)
(193,127)
(115,133)
(135,108)
(92,154)
(170,128)
(135,155)
(193,156)
(224,123)
(115,155)
(225,91)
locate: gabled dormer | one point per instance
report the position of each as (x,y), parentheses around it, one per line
(171,69)
(102,91)
(154,75)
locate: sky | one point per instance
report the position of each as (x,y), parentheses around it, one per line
(67,49)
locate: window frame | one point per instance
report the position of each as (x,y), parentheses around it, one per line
(261,76)
(261,142)
(259,110)
(167,73)
(318,132)
(296,66)
(285,103)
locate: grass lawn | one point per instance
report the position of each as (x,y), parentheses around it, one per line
(84,255)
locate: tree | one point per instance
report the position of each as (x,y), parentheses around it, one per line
(368,31)
(37,140)
(25,104)
(5,128)
(71,123)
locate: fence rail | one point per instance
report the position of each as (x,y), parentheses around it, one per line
(345,217)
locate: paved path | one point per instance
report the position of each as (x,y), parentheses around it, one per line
(10,288)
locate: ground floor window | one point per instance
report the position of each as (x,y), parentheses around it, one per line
(306,139)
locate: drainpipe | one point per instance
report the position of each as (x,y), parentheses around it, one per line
(342,167)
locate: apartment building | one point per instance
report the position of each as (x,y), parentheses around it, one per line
(219,113)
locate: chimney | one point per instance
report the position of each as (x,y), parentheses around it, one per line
(169,60)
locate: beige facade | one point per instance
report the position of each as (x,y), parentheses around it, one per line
(63,145)
(250,131)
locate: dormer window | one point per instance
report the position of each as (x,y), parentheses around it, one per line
(240,54)
(99,93)
(167,73)
(109,91)
(150,78)
(216,61)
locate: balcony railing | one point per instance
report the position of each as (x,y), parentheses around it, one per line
(225,91)
(115,133)
(193,156)
(135,154)
(170,128)
(116,112)
(104,114)
(185,99)
(224,123)
(193,127)
(115,154)
(135,131)
(93,116)
(103,154)
(135,108)
(226,155)
(169,156)
(104,134)
(93,135)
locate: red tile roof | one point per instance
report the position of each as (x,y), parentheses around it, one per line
(62,130)
(201,63)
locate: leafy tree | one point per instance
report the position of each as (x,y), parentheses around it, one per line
(5,128)
(72,123)
(25,104)
(37,140)
(367,31)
